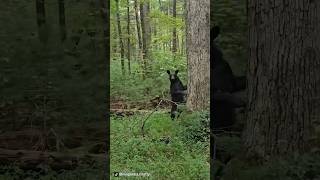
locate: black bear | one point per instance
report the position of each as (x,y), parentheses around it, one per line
(223,78)
(223,84)
(177,92)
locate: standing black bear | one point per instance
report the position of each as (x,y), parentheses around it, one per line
(223,78)
(177,92)
(223,84)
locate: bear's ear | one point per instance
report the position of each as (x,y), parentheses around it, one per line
(168,72)
(176,72)
(214,32)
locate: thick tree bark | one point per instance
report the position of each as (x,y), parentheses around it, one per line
(198,54)
(128,40)
(41,20)
(62,20)
(174,31)
(120,37)
(283,76)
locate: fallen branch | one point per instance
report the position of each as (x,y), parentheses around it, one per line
(33,159)
(142,128)
(155,109)
(58,140)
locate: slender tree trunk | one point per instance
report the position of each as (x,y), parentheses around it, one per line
(177,43)
(160,6)
(182,46)
(116,45)
(283,76)
(174,31)
(159,47)
(143,32)
(128,40)
(41,20)
(148,29)
(138,23)
(120,38)
(198,54)
(146,32)
(62,20)
(155,32)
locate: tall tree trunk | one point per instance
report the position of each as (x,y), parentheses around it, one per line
(62,20)
(120,37)
(198,54)
(182,46)
(160,6)
(146,32)
(115,37)
(128,40)
(155,32)
(284,84)
(138,23)
(41,20)
(177,43)
(142,21)
(174,31)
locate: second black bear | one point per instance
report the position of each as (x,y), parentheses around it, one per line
(177,92)
(223,84)
(223,78)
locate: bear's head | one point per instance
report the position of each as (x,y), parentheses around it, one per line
(173,77)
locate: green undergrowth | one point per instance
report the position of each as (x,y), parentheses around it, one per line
(168,150)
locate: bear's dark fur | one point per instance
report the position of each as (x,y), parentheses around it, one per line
(223,84)
(177,92)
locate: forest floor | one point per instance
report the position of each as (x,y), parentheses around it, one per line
(36,144)
(144,139)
